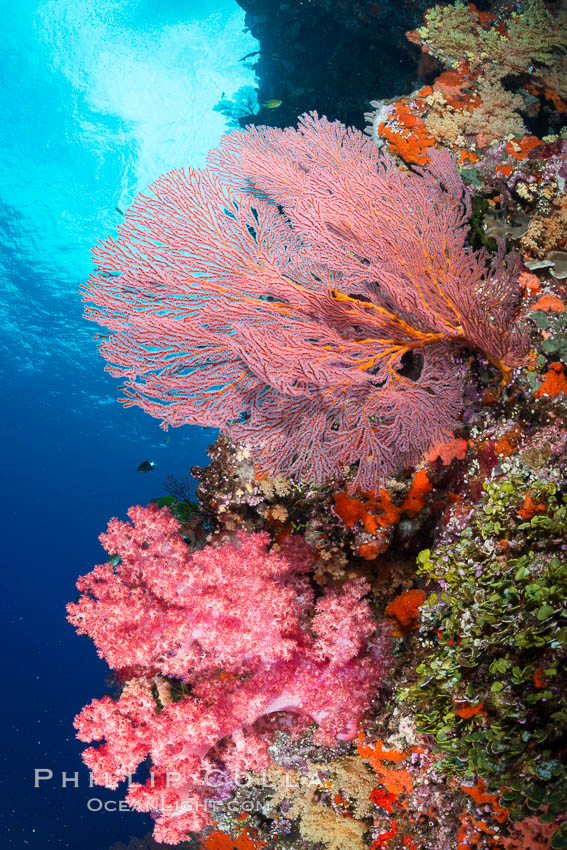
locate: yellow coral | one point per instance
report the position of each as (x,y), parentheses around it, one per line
(554,79)
(495,116)
(535,36)
(450,34)
(458,33)
(547,232)
(349,778)
(486,49)
(322,825)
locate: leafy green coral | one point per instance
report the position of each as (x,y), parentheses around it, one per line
(492,684)
(181,509)
(555,325)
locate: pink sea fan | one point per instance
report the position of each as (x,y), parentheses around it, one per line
(306,295)
(219,647)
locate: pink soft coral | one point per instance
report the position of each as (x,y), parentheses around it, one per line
(232,641)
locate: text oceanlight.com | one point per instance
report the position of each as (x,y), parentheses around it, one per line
(213,779)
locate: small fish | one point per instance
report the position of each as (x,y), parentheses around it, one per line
(146,466)
(114,560)
(248,55)
(165,441)
(273,103)
(118,210)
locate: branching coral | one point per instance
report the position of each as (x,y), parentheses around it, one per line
(499,66)
(307,296)
(513,44)
(547,232)
(212,644)
(327,802)
(492,115)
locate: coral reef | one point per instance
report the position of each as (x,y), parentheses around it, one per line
(354,634)
(492,689)
(505,80)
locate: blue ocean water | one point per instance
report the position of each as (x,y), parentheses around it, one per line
(98,98)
